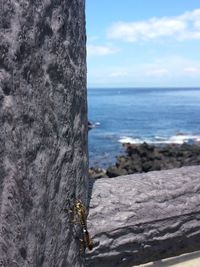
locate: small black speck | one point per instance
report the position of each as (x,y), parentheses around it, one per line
(27,119)
(23,253)
(47,83)
(6,90)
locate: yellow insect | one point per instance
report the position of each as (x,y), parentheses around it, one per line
(80,213)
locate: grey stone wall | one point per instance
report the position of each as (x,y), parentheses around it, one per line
(43,130)
(145,217)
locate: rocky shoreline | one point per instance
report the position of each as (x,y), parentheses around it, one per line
(146,157)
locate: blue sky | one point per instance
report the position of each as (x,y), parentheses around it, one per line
(143,43)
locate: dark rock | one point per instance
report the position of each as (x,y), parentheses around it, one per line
(145,158)
(147,166)
(156,166)
(114,171)
(96,173)
(90,125)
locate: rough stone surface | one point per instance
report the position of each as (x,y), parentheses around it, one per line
(43,130)
(139,218)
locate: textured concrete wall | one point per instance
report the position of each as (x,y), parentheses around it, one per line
(145,217)
(43,130)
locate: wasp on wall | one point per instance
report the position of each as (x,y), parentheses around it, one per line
(80,216)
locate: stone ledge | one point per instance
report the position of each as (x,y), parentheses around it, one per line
(144,217)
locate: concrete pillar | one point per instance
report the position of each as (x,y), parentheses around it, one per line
(43,131)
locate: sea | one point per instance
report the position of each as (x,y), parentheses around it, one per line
(135,115)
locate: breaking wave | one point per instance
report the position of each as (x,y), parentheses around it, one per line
(175,139)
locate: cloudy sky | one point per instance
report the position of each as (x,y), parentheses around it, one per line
(143,43)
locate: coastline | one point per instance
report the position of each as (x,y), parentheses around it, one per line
(145,157)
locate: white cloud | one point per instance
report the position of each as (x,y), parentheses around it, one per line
(185,26)
(197,24)
(120,73)
(192,70)
(100,50)
(166,71)
(157,72)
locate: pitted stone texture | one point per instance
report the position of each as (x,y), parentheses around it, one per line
(139,218)
(43,130)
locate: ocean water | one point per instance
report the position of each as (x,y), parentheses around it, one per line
(158,116)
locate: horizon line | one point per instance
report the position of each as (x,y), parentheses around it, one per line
(145,87)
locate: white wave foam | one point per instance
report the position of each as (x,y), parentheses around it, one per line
(94,124)
(178,139)
(130,140)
